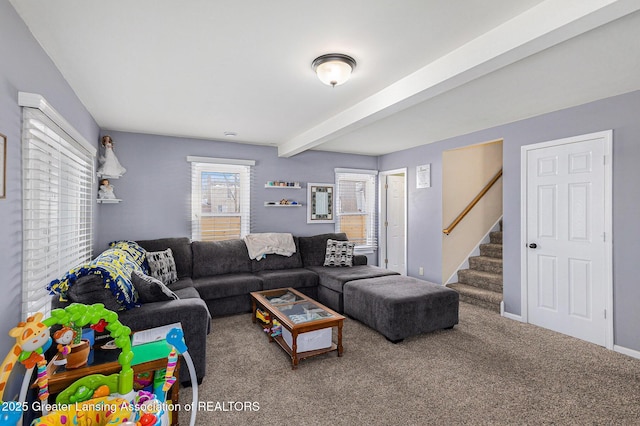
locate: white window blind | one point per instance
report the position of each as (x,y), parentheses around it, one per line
(356,206)
(58,197)
(220,198)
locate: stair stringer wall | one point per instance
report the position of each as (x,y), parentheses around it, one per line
(475,252)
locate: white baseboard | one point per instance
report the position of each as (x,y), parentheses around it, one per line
(626,351)
(512,316)
(509,315)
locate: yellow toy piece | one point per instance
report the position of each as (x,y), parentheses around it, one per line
(30,337)
(94,412)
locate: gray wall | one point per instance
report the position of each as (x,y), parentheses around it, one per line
(619,113)
(24,67)
(156,189)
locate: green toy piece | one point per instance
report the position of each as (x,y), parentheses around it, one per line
(83,388)
(80,315)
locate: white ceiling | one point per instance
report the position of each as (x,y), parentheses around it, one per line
(427,69)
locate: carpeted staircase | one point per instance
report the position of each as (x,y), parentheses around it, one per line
(481,284)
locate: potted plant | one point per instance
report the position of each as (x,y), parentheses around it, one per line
(80,349)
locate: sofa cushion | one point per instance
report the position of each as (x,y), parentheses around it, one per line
(296,278)
(194,316)
(334,278)
(180,284)
(313,249)
(339,253)
(227,285)
(360,259)
(275,261)
(91,289)
(211,258)
(187,293)
(162,266)
(151,289)
(181,249)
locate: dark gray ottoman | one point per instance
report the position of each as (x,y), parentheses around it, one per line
(399,306)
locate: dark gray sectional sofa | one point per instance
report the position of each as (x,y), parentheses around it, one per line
(215,279)
(223,274)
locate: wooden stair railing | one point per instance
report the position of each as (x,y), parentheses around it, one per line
(472,204)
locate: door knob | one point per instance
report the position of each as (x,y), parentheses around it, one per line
(533,245)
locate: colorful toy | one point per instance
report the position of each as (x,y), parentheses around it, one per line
(172,361)
(275,329)
(94,399)
(100,411)
(32,339)
(263,316)
(64,338)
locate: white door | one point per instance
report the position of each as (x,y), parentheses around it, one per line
(394,226)
(566,250)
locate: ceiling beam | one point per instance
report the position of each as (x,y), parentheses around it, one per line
(543,26)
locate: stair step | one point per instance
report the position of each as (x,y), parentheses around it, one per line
(491,250)
(486,264)
(481,279)
(477,296)
(495,237)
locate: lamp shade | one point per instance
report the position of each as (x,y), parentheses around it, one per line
(333,69)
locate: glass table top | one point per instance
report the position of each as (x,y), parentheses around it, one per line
(296,307)
(304,312)
(283,299)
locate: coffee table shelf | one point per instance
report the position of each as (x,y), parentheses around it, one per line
(303,355)
(319,317)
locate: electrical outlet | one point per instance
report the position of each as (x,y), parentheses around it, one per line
(421,271)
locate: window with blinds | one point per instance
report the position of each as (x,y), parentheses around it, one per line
(58,197)
(356,206)
(220,198)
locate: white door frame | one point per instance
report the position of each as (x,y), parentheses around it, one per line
(608,222)
(382,208)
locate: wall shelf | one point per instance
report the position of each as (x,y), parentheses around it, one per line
(276,204)
(266,185)
(108,200)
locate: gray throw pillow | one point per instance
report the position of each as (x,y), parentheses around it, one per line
(91,289)
(339,253)
(162,266)
(150,289)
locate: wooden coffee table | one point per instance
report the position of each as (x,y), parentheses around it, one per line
(298,314)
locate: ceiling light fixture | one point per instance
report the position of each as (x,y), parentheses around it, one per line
(333,69)
(230,134)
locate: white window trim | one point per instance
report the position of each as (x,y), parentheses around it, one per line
(360,248)
(33,100)
(244,167)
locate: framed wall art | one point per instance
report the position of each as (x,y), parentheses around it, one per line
(320,198)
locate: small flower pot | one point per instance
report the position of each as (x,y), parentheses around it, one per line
(79,355)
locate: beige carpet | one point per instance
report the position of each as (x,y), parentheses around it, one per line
(487,370)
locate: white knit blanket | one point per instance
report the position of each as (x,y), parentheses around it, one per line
(260,245)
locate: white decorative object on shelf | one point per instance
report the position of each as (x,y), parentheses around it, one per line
(277,204)
(106,190)
(109,167)
(282,185)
